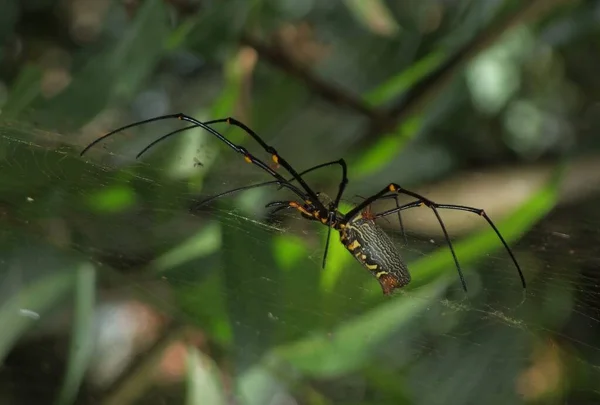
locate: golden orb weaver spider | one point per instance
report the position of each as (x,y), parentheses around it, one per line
(359,233)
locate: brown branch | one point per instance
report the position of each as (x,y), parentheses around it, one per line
(415,99)
(329,92)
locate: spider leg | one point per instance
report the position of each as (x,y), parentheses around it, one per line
(281,205)
(235,190)
(257,185)
(395,197)
(162,138)
(399,190)
(248,157)
(123,128)
(332,209)
(481,212)
(340,162)
(274,155)
(395,188)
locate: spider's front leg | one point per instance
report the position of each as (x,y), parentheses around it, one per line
(304,210)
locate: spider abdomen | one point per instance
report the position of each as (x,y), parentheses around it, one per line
(374,249)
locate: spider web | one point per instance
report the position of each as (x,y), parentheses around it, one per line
(254,285)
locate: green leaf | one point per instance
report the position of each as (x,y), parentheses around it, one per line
(23,92)
(406,79)
(387,148)
(117,72)
(351,345)
(203,380)
(259,384)
(391,144)
(36,298)
(82,338)
(374,15)
(203,243)
(205,303)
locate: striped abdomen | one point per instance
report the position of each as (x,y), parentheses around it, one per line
(374,249)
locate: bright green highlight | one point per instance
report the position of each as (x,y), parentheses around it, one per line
(288,250)
(115,198)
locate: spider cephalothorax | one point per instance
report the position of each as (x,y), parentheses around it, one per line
(359,233)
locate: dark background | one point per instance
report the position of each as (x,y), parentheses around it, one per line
(113,291)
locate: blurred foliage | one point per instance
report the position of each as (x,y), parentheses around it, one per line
(116,292)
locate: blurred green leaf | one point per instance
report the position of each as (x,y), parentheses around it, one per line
(83,334)
(117,72)
(337,257)
(203,380)
(230,94)
(203,243)
(351,345)
(288,250)
(258,385)
(403,81)
(252,288)
(138,52)
(224,104)
(374,15)
(390,145)
(387,148)
(177,38)
(115,198)
(35,299)
(23,92)
(205,302)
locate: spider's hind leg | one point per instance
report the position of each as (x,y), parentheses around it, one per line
(368,213)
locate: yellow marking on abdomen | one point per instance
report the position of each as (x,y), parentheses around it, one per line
(355,244)
(381,274)
(371,266)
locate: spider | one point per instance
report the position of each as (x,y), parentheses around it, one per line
(359,233)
